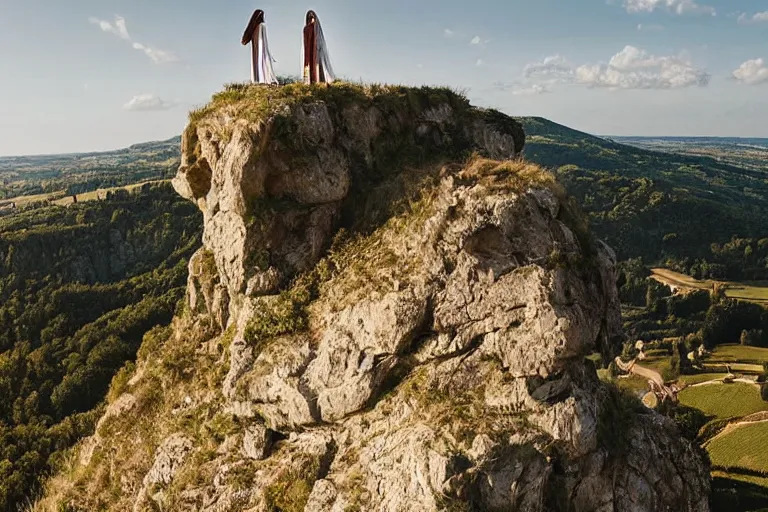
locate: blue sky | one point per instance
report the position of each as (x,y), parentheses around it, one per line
(101,74)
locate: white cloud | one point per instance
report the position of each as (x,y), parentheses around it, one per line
(522,88)
(554,69)
(477,41)
(117,28)
(120,29)
(448,32)
(157,56)
(649,28)
(533,90)
(147,103)
(631,68)
(479,62)
(676,6)
(752,72)
(760,17)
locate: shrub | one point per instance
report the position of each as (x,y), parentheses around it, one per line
(615,419)
(711,429)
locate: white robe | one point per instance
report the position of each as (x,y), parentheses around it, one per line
(261,59)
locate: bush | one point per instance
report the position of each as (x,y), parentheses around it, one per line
(689,420)
(711,429)
(615,419)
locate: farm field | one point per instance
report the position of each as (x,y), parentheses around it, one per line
(724,400)
(698,378)
(747,152)
(22,201)
(741,448)
(732,353)
(740,291)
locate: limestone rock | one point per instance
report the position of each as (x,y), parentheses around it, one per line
(169,457)
(256,440)
(430,357)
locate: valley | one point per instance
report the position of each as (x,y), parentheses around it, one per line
(82,284)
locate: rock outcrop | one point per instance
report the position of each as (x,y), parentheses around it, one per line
(372,327)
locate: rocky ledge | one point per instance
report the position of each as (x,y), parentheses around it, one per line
(371,326)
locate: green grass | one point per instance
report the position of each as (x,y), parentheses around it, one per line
(256,103)
(724,400)
(756,480)
(744,447)
(699,378)
(748,293)
(737,368)
(733,290)
(740,353)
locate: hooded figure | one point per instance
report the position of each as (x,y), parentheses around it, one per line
(316,63)
(261,59)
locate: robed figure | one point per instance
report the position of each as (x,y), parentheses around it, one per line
(317,63)
(261,59)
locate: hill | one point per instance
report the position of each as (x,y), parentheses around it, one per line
(690,212)
(740,151)
(84,172)
(79,288)
(660,206)
(390,311)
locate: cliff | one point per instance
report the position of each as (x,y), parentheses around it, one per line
(391,311)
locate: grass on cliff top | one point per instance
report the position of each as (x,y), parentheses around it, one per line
(255,102)
(514,176)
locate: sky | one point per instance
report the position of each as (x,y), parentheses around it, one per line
(92,75)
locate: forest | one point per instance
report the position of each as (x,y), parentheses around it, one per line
(81,285)
(79,288)
(693,213)
(85,172)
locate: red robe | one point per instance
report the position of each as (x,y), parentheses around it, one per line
(311,58)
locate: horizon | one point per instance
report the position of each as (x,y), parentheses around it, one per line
(627,67)
(168,139)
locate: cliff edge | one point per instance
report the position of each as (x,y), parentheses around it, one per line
(390,311)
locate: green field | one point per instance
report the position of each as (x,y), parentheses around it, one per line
(700,377)
(724,400)
(59,198)
(745,446)
(733,353)
(733,290)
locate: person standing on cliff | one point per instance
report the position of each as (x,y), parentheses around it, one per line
(317,63)
(261,59)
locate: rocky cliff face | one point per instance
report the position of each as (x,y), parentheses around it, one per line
(372,327)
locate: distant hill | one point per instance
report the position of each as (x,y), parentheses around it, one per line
(744,152)
(651,203)
(708,141)
(84,172)
(652,197)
